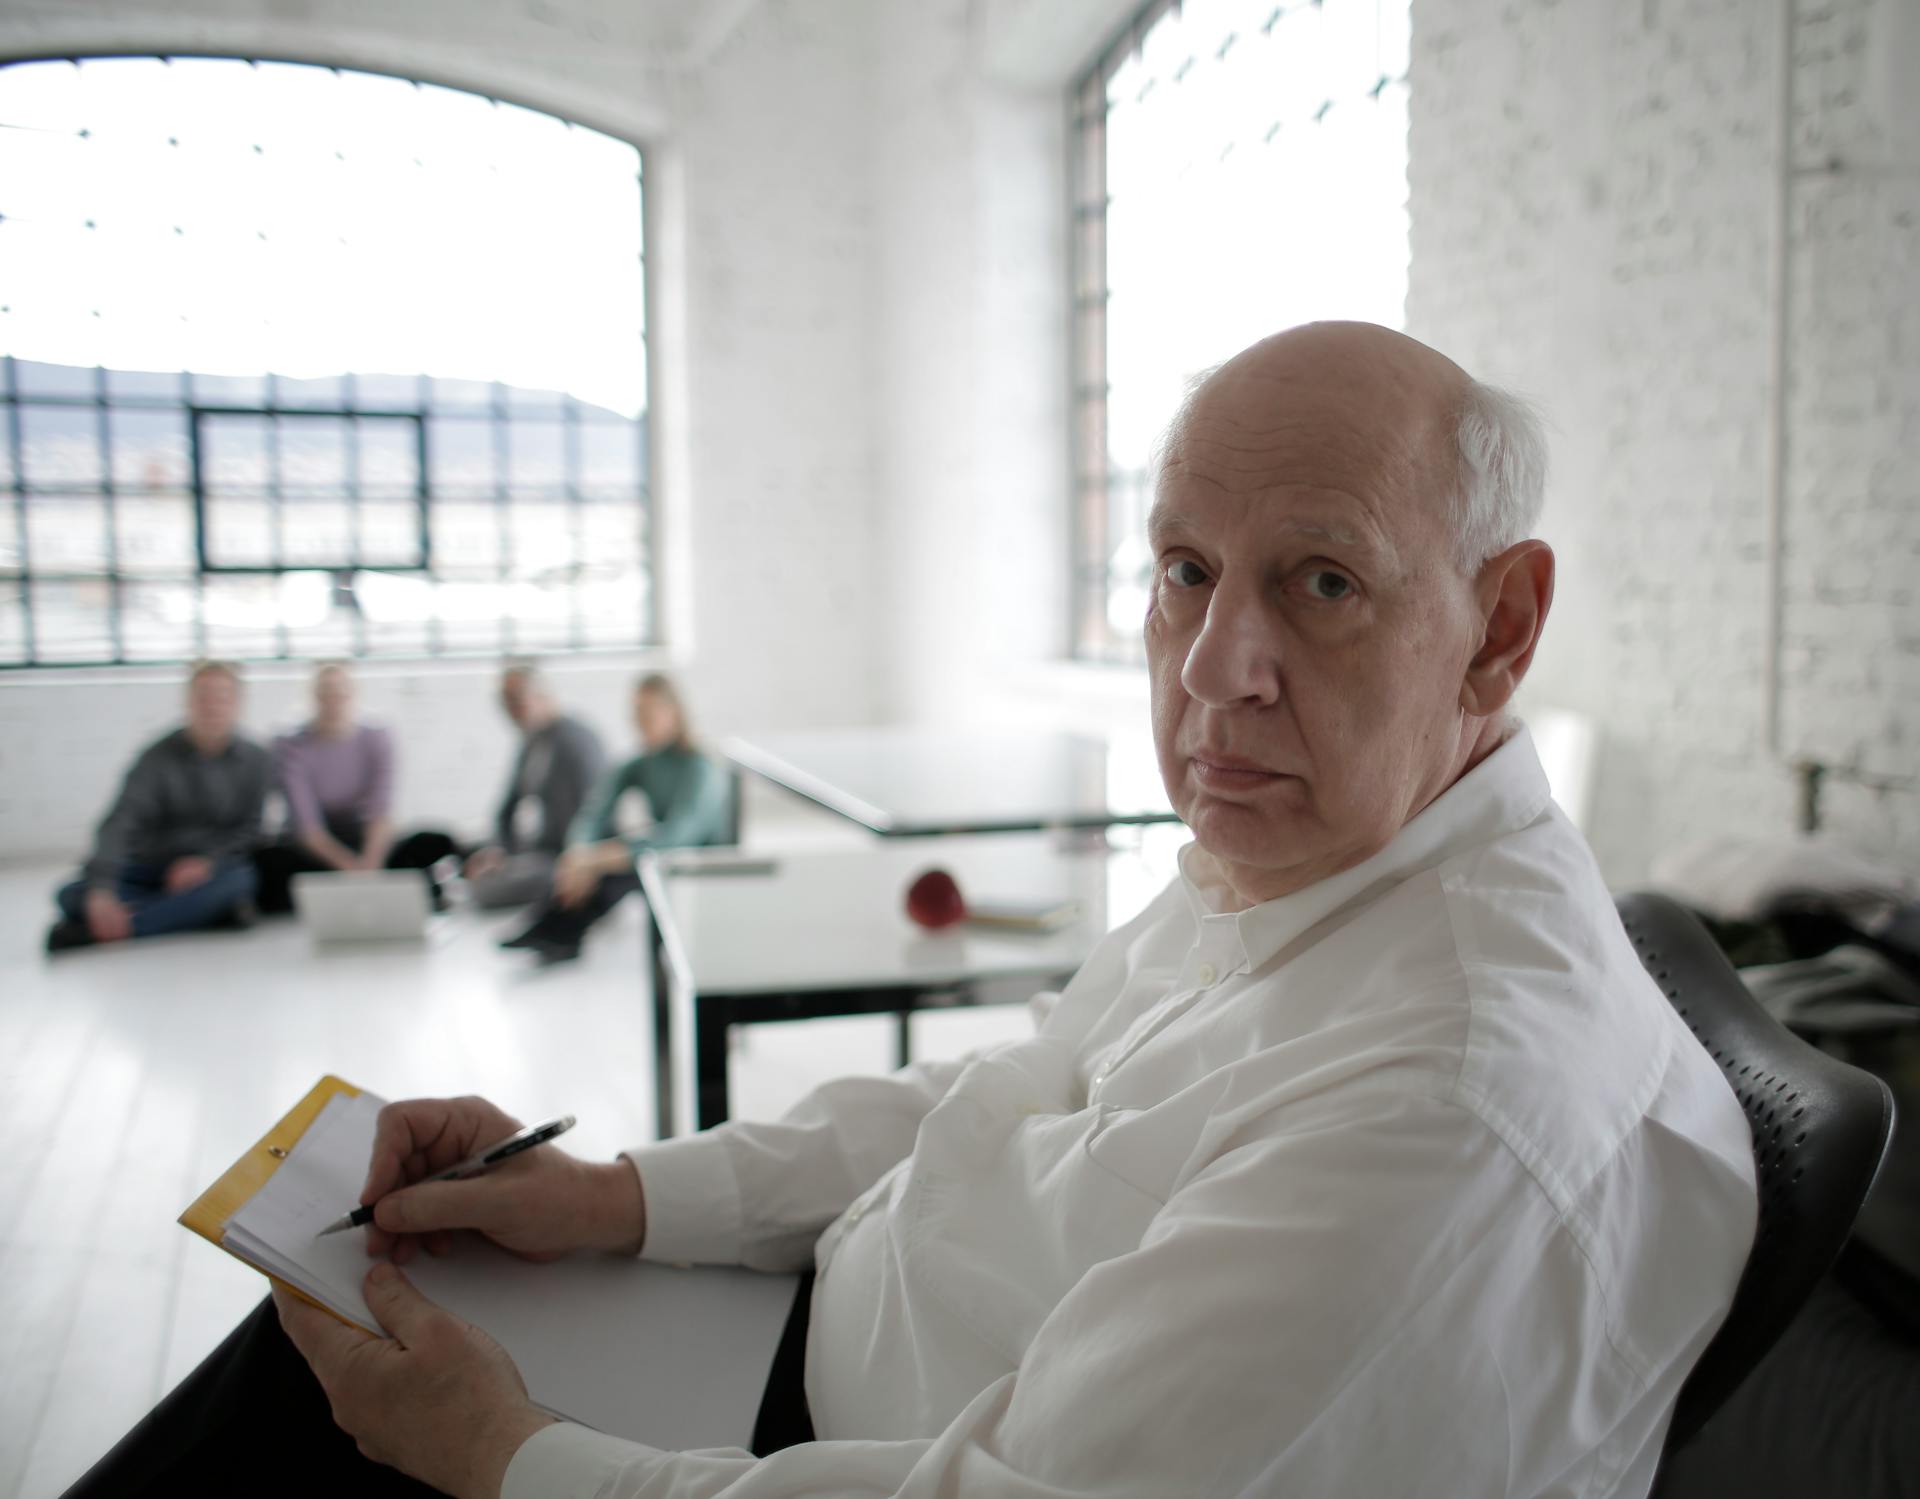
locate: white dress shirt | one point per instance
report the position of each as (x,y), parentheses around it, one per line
(1410,1182)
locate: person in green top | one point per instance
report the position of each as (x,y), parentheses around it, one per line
(692,802)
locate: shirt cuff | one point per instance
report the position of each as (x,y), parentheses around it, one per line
(693,1200)
(565,1460)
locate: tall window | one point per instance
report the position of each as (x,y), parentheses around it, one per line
(304,361)
(1238,168)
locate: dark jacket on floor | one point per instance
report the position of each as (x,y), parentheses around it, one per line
(556,767)
(177,802)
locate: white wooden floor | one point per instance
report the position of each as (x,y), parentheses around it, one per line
(130,1077)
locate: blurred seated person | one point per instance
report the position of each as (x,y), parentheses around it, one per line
(691,801)
(175,851)
(337,776)
(560,759)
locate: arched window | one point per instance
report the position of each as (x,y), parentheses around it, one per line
(307,361)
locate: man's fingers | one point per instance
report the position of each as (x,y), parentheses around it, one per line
(399,1308)
(322,1338)
(438,1205)
(425,1131)
(424,1135)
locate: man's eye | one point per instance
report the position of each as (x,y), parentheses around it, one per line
(1329,585)
(1183,572)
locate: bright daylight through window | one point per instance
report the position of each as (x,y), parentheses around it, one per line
(303,361)
(1238,168)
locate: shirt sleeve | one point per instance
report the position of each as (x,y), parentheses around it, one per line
(760,1194)
(595,819)
(377,801)
(1314,1312)
(136,807)
(757,1194)
(290,769)
(695,813)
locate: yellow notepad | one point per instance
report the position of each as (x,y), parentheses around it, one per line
(208,1214)
(672,1357)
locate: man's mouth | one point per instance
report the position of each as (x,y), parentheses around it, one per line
(1219,771)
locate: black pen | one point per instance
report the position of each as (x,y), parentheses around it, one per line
(526,1139)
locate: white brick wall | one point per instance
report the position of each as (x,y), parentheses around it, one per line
(1592,200)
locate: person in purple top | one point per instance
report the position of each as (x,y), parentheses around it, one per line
(337,777)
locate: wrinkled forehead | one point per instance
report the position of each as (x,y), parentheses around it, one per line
(1365,462)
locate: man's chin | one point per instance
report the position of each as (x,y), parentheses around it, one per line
(1237,832)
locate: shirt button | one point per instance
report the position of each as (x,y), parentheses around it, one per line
(854,1212)
(1208,973)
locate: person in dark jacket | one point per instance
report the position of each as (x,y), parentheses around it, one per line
(175,851)
(691,801)
(560,759)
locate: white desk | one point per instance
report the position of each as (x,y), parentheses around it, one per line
(917,782)
(744,941)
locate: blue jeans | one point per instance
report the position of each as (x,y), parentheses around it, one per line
(142,890)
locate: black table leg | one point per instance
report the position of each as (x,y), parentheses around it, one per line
(662,1031)
(903,1038)
(710,1027)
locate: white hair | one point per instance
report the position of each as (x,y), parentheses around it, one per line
(1503,473)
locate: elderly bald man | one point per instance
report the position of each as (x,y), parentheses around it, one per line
(1365,1161)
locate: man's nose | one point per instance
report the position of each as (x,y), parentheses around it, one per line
(1235,659)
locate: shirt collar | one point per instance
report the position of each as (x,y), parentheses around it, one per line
(1503,793)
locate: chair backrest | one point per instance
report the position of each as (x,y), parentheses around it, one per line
(1820,1131)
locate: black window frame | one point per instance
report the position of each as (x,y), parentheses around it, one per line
(503,406)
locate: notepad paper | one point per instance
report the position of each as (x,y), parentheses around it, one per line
(674,1358)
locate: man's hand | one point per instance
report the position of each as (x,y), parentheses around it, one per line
(185,873)
(107,918)
(485,861)
(575,876)
(437,1398)
(539,1204)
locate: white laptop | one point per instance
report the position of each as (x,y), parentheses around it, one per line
(384,905)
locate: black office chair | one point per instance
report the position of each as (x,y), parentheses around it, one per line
(1820,1131)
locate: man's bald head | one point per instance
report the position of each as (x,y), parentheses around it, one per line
(1329,397)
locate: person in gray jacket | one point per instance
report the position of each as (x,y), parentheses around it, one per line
(560,759)
(175,851)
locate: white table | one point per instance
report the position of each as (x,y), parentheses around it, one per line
(741,940)
(919,782)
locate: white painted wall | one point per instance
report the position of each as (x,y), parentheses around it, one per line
(1592,200)
(65,739)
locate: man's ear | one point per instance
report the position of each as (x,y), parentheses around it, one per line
(1511,596)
